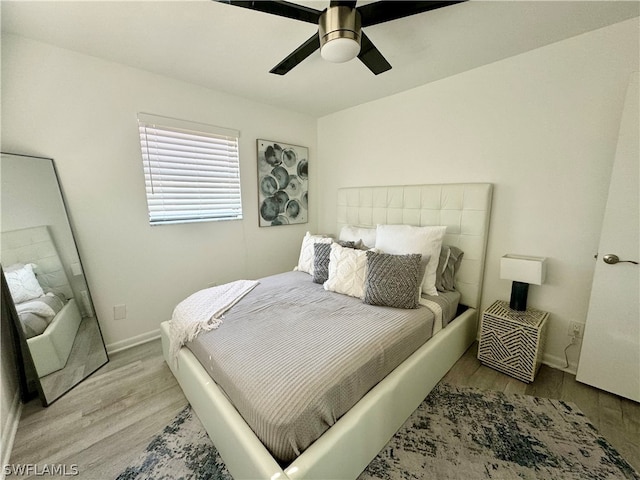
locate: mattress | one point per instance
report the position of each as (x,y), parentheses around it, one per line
(445,303)
(293,357)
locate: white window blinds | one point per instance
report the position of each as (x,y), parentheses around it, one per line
(191,170)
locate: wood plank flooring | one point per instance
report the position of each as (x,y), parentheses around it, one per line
(106,422)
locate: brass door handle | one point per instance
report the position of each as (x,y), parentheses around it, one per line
(612,259)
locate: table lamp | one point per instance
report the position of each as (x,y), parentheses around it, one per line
(522,270)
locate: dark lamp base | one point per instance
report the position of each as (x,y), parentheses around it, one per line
(519,292)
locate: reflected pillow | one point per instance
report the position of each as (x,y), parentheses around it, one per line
(393,280)
(22,283)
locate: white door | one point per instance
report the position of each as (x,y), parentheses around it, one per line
(610,355)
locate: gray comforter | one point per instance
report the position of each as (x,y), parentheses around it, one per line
(293,358)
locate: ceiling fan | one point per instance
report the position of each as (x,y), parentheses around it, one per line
(340,37)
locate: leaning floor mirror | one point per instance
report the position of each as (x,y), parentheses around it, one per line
(59,341)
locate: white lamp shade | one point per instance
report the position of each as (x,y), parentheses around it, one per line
(522,268)
(340,50)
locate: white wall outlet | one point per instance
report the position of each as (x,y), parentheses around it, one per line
(576,329)
(119,312)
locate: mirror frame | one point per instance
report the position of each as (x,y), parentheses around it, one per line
(24,361)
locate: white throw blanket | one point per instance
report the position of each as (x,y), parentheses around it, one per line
(203,311)
(37,307)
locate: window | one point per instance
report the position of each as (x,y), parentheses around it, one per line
(191,170)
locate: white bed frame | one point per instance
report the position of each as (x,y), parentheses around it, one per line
(346,448)
(49,350)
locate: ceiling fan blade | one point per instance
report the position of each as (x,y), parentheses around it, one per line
(385,10)
(280,8)
(298,55)
(371,56)
(342,4)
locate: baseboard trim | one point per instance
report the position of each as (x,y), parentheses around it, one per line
(9,430)
(560,363)
(133,341)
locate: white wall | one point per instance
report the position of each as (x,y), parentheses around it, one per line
(541,126)
(81,111)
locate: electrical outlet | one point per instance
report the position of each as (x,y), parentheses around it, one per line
(576,329)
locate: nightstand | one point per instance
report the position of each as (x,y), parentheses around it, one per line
(512,341)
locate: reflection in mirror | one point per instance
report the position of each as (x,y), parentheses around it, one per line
(56,319)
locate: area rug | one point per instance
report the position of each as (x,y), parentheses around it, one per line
(456,433)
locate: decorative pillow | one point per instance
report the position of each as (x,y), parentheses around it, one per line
(321,259)
(442,265)
(305,260)
(366,235)
(404,239)
(452,267)
(347,271)
(22,283)
(321,262)
(393,280)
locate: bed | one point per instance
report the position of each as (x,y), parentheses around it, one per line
(349,444)
(49,338)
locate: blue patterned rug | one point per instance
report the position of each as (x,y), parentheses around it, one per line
(456,433)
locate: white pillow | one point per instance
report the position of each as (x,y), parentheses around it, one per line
(404,239)
(305,261)
(22,283)
(347,271)
(351,233)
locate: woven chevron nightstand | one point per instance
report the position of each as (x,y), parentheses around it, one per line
(512,341)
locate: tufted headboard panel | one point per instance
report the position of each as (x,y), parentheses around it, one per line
(35,245)
(464,208)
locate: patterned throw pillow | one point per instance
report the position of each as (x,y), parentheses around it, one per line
(321,259)
(393,280)
(321,262)
(22,282)
(347,271)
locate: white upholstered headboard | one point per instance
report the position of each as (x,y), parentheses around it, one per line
(35,245)
(464,208)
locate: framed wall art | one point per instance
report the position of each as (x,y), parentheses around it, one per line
(283,183)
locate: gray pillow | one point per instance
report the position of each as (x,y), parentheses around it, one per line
(453,265)
(321,252)
(393,280)
(442,265)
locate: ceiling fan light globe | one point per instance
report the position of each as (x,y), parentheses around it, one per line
(340,50)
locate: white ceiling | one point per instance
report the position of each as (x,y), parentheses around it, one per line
(232,49)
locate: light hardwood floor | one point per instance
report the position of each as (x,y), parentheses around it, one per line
(106,422)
